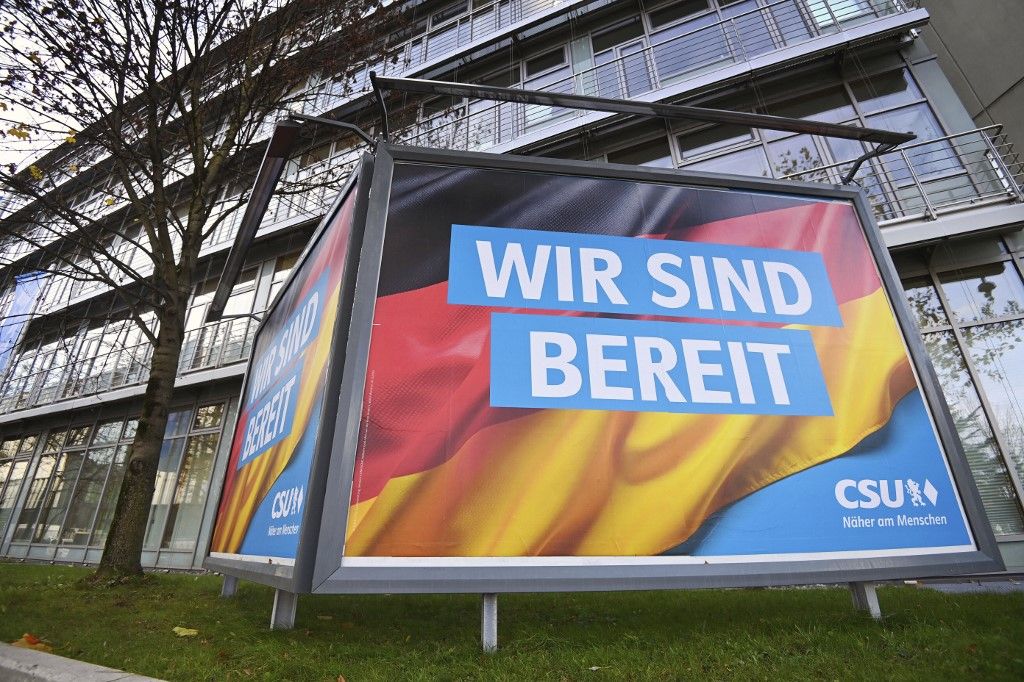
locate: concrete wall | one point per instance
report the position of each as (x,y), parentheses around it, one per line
(980,46)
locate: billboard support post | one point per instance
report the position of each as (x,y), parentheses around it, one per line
(283,615)
(229,587)
(865,599)
(489,622)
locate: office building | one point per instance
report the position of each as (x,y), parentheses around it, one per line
(949,205)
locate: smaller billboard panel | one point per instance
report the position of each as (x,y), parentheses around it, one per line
(281,414)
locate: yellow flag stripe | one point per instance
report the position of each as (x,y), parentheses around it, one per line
(583,482)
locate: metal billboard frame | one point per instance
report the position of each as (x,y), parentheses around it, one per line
(324,554)
(297,577)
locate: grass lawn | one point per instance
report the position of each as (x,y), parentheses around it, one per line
(723,634)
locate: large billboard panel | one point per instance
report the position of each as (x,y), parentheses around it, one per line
(496,374)
(282,414)
(569,370)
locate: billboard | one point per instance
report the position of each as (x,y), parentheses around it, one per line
(565,376)
(282,418)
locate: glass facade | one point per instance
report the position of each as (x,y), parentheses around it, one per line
(968,298)
(68,478)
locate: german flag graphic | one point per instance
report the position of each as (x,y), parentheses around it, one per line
(440,472)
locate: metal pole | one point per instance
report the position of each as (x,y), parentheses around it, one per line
(640,108)
(283,615)
(278,149)
(489,622)
(229,587)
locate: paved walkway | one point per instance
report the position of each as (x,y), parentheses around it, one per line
(993,586)
(26,665)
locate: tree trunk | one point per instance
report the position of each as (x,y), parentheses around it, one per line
(123,551)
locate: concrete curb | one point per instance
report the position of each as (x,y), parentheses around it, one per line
(27,665)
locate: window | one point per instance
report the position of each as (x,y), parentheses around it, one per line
(830,105)
(696,44)
(212,344)
(886,90)
(687,8)
(794,155)
(282,268)
(927,159)
(545,62)
(15,454)
(450,12)
(828,13)
(704,141)
(551,72)
(183,479)
(750,161)
(968,298)
(613,37)
(109,444)
(652,153)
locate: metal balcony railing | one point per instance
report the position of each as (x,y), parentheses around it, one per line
(669,55)
(648,63)
(446,37)
(927,178)
(53,376)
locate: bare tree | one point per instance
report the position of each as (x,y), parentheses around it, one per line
(152,108)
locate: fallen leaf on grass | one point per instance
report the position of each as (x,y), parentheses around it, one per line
(595,668)
(29,641)
(323,617)
(184,632)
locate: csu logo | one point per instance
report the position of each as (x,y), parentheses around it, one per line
(287,502)
(869,493)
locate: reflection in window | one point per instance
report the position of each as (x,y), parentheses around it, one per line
(794,155)
(34,499)
(186,507)
(984,291)
(997,493)
(927,159)
(167,472)
(69,484)
(58,497)
(87,495)
(997,351)
(105,511)
(924,302)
